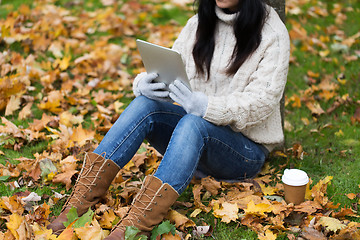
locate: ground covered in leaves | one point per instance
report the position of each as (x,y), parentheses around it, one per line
(65,77)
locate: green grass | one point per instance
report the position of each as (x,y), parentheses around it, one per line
(328,153)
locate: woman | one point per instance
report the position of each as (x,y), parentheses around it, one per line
(236,55)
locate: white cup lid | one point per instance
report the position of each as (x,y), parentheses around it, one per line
(295,177)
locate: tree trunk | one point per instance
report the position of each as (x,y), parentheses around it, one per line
(279,6)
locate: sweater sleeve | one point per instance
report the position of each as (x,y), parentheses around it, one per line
(252,105)
(183,39)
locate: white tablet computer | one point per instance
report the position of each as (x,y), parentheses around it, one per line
(164,61)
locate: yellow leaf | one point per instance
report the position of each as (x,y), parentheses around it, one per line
(312,74)
(268,235)
(52,103)
(331,224)
(342,81)
(227,211)
(107,218)
(269,190)
(14,224)
(195,212)
(308,192)
(63,64)
(324,53)
(339,133)
(41,232)
(93,232)
(257,209)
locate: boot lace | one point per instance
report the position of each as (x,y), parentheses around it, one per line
(86,180)
(138,210)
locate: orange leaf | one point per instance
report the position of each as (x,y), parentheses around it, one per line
(351,195)
(81,136)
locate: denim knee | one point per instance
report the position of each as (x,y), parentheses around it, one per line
(143,103)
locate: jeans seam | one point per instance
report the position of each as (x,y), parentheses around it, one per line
(137,125)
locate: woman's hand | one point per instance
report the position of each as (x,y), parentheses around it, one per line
(193,102)
(148,88)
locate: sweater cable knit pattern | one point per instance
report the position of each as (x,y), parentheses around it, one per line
(248,101)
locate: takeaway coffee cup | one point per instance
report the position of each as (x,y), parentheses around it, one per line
(295,181)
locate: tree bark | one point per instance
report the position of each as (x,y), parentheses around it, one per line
(279,6)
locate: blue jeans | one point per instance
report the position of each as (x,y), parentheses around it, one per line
(187,142)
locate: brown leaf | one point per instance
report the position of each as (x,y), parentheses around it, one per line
(344,212)
(197,198)
(357,115)
(211,185)
(65,178)
(312,234)
(180,220)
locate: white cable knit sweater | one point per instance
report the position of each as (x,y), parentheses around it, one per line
(249,101)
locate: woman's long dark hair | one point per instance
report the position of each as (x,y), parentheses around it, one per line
(247,30)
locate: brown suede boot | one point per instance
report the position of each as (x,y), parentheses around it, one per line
(94,180)
(148,209)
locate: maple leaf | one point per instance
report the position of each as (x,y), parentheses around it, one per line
(258,209)
(351,195)
(319,190)
(81,136)
(93,232)
(331,224)
(268,190)
(267,235)
(226,211)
